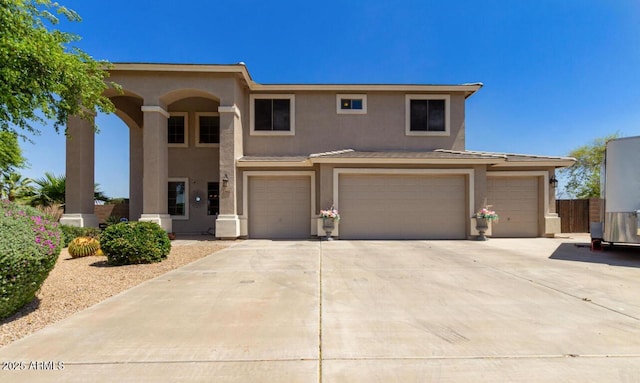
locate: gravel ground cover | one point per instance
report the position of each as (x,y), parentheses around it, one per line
(75,284)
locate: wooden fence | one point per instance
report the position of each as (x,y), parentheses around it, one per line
(576,214)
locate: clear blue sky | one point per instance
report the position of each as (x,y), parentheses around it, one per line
(557,73)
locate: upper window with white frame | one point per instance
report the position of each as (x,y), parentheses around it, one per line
(272,114)
(207,129)
(178,129)
(427,115)
(351,103)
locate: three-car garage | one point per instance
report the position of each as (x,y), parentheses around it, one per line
(390,203)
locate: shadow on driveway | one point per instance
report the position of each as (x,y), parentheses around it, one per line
(619,255)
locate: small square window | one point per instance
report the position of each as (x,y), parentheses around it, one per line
(177,133)
(351,103)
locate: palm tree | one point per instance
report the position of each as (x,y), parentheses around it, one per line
(14,187)
(51,191)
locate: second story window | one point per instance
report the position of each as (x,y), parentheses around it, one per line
(427,115)
(177,135)
(351,103)
(208,129)
(272,114)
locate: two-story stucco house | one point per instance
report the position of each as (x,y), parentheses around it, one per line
(211,149)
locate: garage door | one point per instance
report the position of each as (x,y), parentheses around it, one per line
(515,199)
(279,207)
(402,207)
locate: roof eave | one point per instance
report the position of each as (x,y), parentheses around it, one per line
(467,89)
(272,164)
(193,68)
(559,163)
(240,68)
(408,161)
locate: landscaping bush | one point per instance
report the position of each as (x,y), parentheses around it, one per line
(135,242)
(72,232)
(29,248)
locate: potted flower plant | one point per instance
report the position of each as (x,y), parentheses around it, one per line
(329,218)
(484,217)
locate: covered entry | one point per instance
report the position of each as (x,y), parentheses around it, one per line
(401,204)
(516,200)
(279,206)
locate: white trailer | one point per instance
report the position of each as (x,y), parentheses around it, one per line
(620,194)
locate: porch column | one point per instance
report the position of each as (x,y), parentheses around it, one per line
(156,167)
(228,222)
(136,172)
(79,187)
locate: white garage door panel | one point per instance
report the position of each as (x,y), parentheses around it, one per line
(279,207)
(402,207)
(515,199)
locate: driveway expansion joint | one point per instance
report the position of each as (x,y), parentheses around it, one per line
(583,299)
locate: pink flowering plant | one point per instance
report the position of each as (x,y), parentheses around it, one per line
(330,213)
(30,244)
(487,214)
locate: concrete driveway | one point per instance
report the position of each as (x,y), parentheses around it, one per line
(525,310)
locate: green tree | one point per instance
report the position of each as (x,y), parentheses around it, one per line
(10,153)
(43,77)
(14,187)
(584,176)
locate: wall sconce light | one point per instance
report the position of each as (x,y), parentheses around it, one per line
(225,181)
(553,181)
(198,198)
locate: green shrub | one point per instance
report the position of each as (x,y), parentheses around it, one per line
(29,248)
(134,242)
(72,232)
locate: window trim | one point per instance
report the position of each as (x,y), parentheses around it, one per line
(186,130)
(186,193)
(447,114)
(292,114)
(205,144)
(362,97)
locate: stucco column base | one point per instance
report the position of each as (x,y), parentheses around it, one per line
(80,220)
(552,225)
(164,220)
(227,226)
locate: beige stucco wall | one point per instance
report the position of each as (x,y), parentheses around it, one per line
(164,88)
(318,128)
